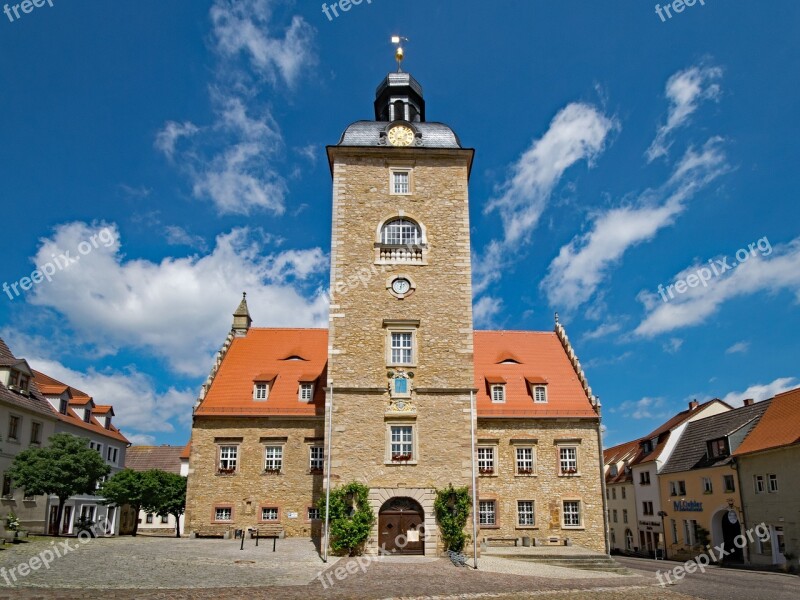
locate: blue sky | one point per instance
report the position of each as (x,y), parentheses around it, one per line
(616,152)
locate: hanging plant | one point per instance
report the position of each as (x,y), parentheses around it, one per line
(452,506)
(351,518)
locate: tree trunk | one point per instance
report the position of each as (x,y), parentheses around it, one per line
(177,525)
(138,509)
(60,515)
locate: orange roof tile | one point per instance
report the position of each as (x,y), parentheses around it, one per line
(187,451)
(779,426)
(52,390)
(261,356)
(537,352)
(101,409)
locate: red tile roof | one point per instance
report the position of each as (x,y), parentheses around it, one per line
(617,454)
(187,451)
(778,427)
(34,401)
(541,357)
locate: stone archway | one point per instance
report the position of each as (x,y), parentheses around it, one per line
(730,529)
(401,526)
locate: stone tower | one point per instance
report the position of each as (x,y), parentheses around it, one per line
(400,358)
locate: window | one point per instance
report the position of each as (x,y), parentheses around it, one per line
(222,513)
(260,391)
(647,508)
(313,514)
(486,460)
(727,482)
(269,513)
(674,524)
(624,515)
(6,486)
(306,392)
(498,394)
(401,182)
(540,394)
(623,493)
(690,532)
(486,512)
(628,540)
(572,513)
(149,518)
(164,519)
(87,414)
(718,448)
(62,407)
(402,442)
(614,471)
(112,454)
(228,458)
(317,459)
(273,459)
(525,464)
(36,433)
(401,232)
(13,427)
(647,447)
(644,478)
(24,380)
(758,481)
(708,487)
(772,483)
(402,347)
(613,539)
(613,493)
(615,515)
(677,488)
(568,460)
(525,513)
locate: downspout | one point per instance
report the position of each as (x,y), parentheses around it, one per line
(328,475)
(473,418)
(735,466)
(607,525)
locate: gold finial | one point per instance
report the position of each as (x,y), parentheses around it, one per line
(399,54)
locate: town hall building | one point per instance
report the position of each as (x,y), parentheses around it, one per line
(400,392)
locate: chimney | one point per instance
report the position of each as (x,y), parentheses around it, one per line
(749,402)
(693,405)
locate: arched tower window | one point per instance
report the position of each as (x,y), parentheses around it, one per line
(401,239)
(401,232)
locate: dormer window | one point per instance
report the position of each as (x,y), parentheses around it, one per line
(540,394)
(24,382)
(260,391)
(647,447)
(62,407)
(87,415)
(614,470)
(306,392)
(718,448)
(498,393)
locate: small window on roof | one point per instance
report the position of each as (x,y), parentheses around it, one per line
(540,394)
(294,357)
(260,391)
(498,393)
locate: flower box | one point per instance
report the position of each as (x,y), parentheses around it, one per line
(272,471)
(524,471)
(486,470)
(222,471)
(401,457)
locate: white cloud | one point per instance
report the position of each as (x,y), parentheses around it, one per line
(578,132)
(773,273)
(180,308)
(602,331)
(673,345)
(484,311)
(760,392)
(169,136)
(738,348)
(582,266)
(685,91)
(178,236)
(646,408)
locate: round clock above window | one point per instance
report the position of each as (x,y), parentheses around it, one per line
(401,135)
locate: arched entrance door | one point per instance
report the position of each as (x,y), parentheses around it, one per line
(730,529)
(401,527)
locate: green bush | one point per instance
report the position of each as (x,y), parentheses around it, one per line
(351,518)
(452,508)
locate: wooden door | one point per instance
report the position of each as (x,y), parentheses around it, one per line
(401,527)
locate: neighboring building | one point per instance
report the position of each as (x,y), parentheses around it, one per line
(77,414)
(767,464)
(400,369)
(698,483)
(26,421)
(621,497)
(165,458)
(654,451)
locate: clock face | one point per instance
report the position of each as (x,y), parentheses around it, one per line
(401,136)
(401,286)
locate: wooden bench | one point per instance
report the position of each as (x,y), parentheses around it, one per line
(272,532)
(502,538)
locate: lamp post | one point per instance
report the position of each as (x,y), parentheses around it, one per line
(663,514)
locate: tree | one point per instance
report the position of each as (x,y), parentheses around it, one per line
(452,507)
(135,488)
(351,517)
(169,497)
(66,467)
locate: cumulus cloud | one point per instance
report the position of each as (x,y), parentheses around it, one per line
(779,271)
(167,139)
(485,310)
(578,132)
(738,348)
(584,264)
(646,408)
(673,345)
(179,308)
(602,331)
(760,392)
(686,90)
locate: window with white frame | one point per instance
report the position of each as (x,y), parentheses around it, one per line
(613,493)
(525,513)
(540,394)
(228,457)
(165,519)
(269,513)
(13,427)
(758,483)
(677,488)
(221,513)
(486,460)
(402,347)
(624,515)
(402,442)
(644,478)
(572,513)
(149,518)
(623,493)
(306,392)
(498,393)
(525,464)
(401,232)
(317,458)
(487,514)
(728,484)
(260,391)
(708,487)
(273,458)
(772,483)
(401,182)
(36,432)
(647,508)
(568,460)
